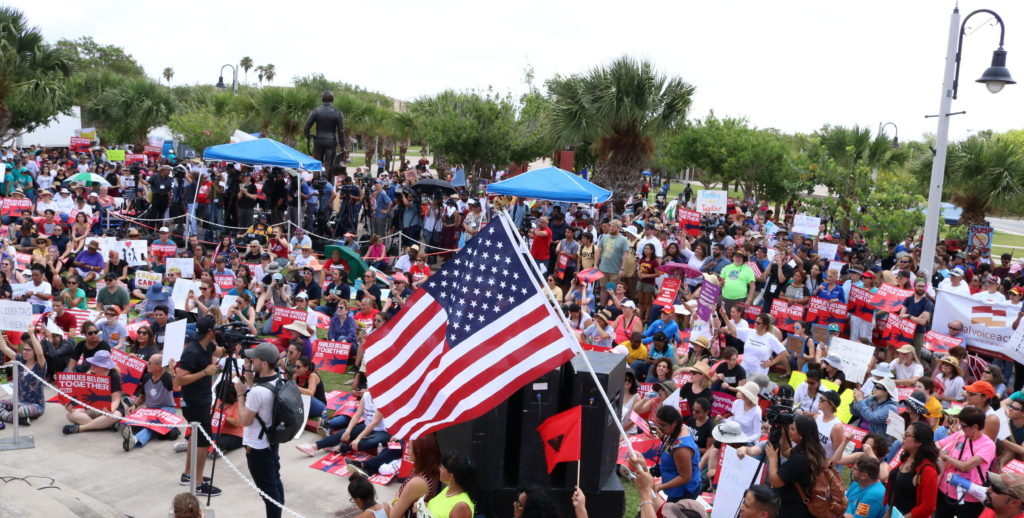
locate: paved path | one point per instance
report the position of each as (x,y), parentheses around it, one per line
(143,482)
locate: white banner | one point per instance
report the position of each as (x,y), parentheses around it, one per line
(739,472)
(808,225)
(186,265)
(712,202)
(986,326)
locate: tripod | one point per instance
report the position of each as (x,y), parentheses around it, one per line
(230,369)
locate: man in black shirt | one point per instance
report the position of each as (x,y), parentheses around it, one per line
(246,201)
(777,275)
(194,374)
(309,286)
(160,185)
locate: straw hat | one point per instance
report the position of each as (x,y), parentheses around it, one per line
(298,327)
(955,363)
(700,367)
(701,341)
(749,390)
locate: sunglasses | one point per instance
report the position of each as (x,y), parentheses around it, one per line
(142,332)
(72,282)
(90,333)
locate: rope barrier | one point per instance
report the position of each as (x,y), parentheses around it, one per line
(121,419)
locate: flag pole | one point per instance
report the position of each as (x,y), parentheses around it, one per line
(568,327)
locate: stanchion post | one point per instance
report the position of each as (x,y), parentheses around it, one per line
(16,442)
(193,452)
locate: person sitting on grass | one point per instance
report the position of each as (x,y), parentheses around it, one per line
(90,420)
(31,402)
(365,431)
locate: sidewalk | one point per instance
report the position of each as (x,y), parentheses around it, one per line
(142,483)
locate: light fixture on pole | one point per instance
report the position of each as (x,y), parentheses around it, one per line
(896,133)
(995,78)
(234,79)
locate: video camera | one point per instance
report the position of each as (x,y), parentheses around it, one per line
(229,336)
(780,414)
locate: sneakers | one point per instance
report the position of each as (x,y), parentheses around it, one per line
(308,449)
(322,432)
(207,489)
(181,447)
(353,468)
(130,440)
(69,429)
(186,479)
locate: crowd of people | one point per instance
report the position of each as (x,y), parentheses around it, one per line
(607,269)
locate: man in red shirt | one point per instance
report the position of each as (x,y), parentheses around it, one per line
(540,249)
(1005,496)
(64,320)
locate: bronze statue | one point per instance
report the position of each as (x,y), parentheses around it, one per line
(330,131)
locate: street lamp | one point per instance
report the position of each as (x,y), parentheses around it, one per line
(995,78)
(896,133)
(235,79)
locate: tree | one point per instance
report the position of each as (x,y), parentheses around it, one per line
(983,175)
(246,64)
(282,111)
(200,128)
(85,54)
(168,74)
(260,72)
(401,127)
(892,211)
(622,108)
(125,113)
(33,76)
(269,73)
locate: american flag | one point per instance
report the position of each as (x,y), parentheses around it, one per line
(478,331)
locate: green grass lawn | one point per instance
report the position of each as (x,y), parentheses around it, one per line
(678,187)
(1006,241)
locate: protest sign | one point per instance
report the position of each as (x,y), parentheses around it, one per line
(224,281)
(331,356)
(890,298)
(133,251)
(1004,424)
(134,158)
(152,150)
(712,202)
(182,287)
(795,345)
(91,389)
(156,419)
(722,404)
(174,341)
(785,314)
(144,279)
(836,266)
(162,251)
(941,343)
(860,304)
(667,294)
(15,315)
(80,144)
(707,299)
(1014,346)
(845,402)
(563,264)
(283,317)
(333,464)
(987,327)
(640,423)
(20,289)
(855,357)
(827,250)
(751,312)
(226,302)
(807,225)
(184,264)
(647,447)
(737,474)
(898,331)
(1014,466)
(979,237)
(12,207)
(896,427)
(820,333)
(824,312)
(116,155)
(131,367)
(689,220)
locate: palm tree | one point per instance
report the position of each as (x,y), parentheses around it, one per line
(982,175)
(622,108)
(33,75)
(847,158)
(246,65)
(126,112)
(269,73)
(168,74)
(401,127)
(260,72)
(283,111)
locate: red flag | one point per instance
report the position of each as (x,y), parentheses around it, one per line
(560,434)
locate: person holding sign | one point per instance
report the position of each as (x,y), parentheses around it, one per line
(875,408)
(831,289)
(969,454)
(679,457)
(88,419)
(155,391)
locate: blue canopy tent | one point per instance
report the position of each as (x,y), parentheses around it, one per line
(262,151)
(551,183)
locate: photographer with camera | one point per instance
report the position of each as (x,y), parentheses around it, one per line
(255,409)
(351,200)
(805,460)
(194,374)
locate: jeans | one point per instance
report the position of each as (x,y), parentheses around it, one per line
(145,435)
(39,308)
(316,408)
(640,368)
(369,444)
(373,465)
(265,469)
(338,422)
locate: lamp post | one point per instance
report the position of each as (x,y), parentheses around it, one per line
(234,79)
(995,77)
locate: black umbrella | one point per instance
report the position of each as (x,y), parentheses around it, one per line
(433,187)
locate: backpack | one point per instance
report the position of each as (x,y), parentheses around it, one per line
(288,414)
(827,498)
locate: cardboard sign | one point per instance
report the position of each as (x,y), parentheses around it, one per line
(283,317)
(980,237)
(91,389)
(941,343)
(331,356)
(785,314)
(824,312)
(185,264)
(722,404)
(667,294)
(896,427)
(898,331)
(144,279)
(860,304)
(689,220)
(855,357)
(15,316)
(712,202)
(132,369)
(806,225)
(795,345)
(889,298)
(707,299)
(174,341)
(828,250)
(157,419)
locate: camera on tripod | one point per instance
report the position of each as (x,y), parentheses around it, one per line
(780,414)
(230,336)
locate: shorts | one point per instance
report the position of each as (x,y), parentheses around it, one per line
(644,287)
(609,277)
(200,415)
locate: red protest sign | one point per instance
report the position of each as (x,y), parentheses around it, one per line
(940,343)
(689,220)
(1014,466)
(648,447)
(667,294)
(79,144)
(91,389)
(152,150)
(640,423)
(331,356)
(337,398)
(824,312)
(751,312)
(158,419)
(161,252)
(902,393)
(333,464)
(285,316)
(785,314)
(860,304)
(722,405)
(563,264)
(14,206)
(131,368)
(898,331)
(684,407)
(405,469)
(132,158)
(224,281)
(890,298)
(381,480)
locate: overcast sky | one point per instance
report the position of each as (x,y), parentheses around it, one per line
(792,65)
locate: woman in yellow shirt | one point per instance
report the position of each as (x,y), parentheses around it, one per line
(458,473)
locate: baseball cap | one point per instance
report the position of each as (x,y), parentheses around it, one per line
(164,229)
(981,387)
(264,351)
(1008,482)
(205,324)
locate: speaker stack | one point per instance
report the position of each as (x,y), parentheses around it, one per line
(508,452)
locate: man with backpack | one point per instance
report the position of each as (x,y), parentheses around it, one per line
(256,402)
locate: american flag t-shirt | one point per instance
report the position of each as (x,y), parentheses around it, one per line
(476,332)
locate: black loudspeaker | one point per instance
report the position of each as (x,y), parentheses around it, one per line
(599,435)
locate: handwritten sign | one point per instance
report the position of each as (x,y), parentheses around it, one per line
(896,426)
(855,357)
(827,250)
(980,237)
(331,356)
(182,287)
(186,265)
(712,202)
(15,316)
(116,155)
(807,225)
(145,279)
(133,251)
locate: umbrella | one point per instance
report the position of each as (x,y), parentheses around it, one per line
(589,276)
(646,173)
(433,187)
(689,271)
(89,179)
(353,263)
